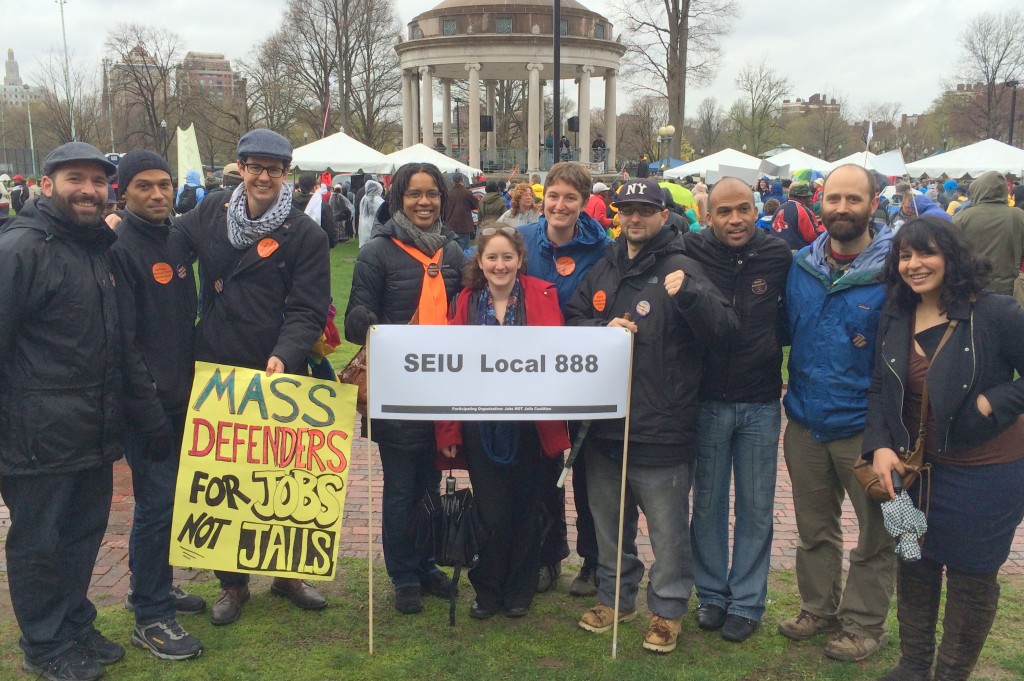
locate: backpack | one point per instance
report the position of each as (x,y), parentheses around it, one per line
(187,200)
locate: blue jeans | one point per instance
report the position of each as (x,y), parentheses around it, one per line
(150,542)
(740,438)
(463,240)
(408,473)
(662,494)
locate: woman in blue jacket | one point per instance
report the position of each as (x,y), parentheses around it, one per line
(974,493)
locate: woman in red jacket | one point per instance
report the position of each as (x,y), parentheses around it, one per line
(503,457)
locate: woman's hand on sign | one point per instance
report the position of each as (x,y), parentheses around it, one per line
(674,282)
(885,460)
(450,452)
(274,366)
(624,323)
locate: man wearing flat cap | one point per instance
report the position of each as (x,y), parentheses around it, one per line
(265,271)
(156,293)
(646,284)
(61,410)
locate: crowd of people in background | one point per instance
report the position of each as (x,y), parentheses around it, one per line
(864,279)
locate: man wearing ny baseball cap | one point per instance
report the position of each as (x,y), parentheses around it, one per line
(266,262)
(157,297)
(645,284)
(61,410)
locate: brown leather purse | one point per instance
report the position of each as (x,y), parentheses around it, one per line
(913,462)
(356,372)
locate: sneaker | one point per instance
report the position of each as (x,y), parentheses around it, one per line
(73,665)
(167,640)
(100,648)
(662,634)
(408,600)
(808,625)
(601,618)
(548,577)
(585,583)
(437,584)
(184,602)
(850,647)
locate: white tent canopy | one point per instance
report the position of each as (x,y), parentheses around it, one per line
(340,153)
(421,153)
(798,160)
(725,157)
(972,160)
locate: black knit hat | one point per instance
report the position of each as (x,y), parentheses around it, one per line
(135,162)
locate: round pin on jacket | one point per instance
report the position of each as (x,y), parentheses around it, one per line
(643,308)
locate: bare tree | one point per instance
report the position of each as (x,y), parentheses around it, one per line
(308,50)
(824,128)
(708,127)
(993,53)
(376,78)
(54,127)
(672,43)
(142,83)
(273,100)
(755,116)
(639,128)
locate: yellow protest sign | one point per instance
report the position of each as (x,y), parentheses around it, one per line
(263,473)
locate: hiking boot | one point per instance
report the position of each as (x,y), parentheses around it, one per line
(100,648)
(548,577)
(167,640)
(408,600)
(850,647)
(437,584)
(808,625)
(228,606)
(72,665)
(585,583)
(184,602)
(300,593)
(600,618)
(662,634)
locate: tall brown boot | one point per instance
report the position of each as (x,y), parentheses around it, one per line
(918,589)
(971,602)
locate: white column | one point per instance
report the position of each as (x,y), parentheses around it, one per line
(474,114)
(414,114)
(583,104)
(427,106)
(406,108)
(609,118)
(492,136)
(446,115)
(533,123)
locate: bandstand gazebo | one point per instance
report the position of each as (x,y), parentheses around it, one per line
(497,40)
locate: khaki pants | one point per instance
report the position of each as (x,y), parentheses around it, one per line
(1018,288)
(822,474)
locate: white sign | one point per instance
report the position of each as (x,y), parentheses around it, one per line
(485,373)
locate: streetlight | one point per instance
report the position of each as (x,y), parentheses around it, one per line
(67,69)
(1013,106)
(665,133)
(110,108)
(458,127)
(163,134)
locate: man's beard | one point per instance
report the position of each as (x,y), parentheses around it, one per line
(68,210)
(846,229)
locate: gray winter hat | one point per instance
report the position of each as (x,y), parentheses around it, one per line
(263,142)
(76,152)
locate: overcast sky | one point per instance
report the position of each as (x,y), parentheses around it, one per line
(870,50)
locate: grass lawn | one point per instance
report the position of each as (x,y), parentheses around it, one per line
(343,260)
(274,641)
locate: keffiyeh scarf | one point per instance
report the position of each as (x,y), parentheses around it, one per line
(244,231)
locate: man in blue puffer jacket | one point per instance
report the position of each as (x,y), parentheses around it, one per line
(833,301)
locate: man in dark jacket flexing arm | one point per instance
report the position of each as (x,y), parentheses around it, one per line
(266,272)
(61,410)
(647,285)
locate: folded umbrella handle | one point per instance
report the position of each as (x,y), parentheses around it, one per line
(897,481)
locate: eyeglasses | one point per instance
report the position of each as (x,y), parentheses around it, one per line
(256,170)
(506,230)
(416,194)
(645,211)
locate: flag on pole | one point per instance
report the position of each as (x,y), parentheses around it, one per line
(871,133)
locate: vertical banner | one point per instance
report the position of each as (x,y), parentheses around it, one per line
(263,473)
(188,154)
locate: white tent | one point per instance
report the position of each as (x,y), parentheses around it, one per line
(856,158)
(340,153)
(798,160)
(972,160)
(421,153)
(725,157)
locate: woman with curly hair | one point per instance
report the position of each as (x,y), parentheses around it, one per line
(523,210)
(941,329)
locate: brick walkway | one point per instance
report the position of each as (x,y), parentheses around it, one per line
(110,576)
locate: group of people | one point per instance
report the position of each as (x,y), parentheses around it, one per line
(101,335)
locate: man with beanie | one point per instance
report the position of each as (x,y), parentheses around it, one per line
(156,294)
(265,270)
(62,409)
